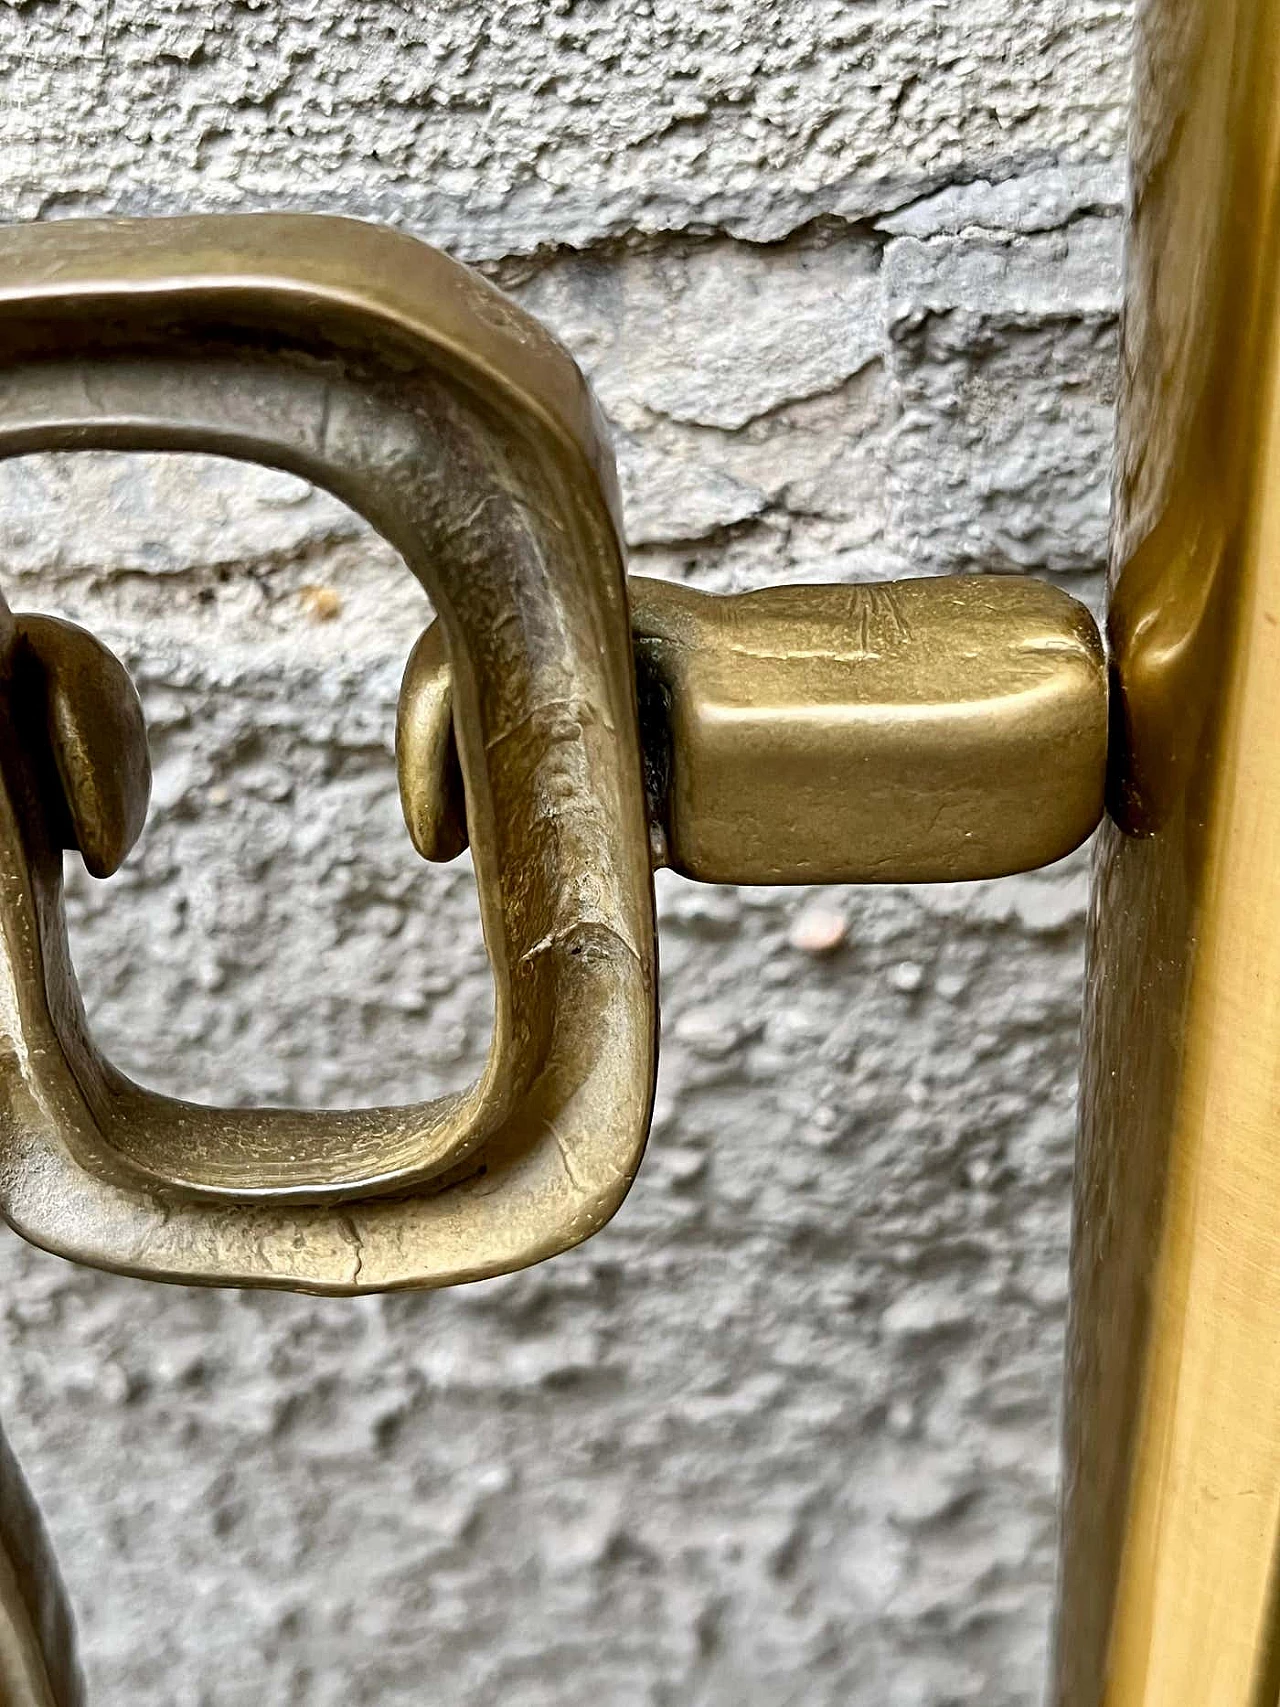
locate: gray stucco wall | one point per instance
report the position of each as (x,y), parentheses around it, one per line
(845,275)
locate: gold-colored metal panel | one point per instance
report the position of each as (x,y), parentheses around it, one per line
(376,367)
(915,731)
(1171,1564)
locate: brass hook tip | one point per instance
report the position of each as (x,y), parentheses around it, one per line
(97,737)
(427,767)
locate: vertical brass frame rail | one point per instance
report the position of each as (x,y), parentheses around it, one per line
(1171,1565)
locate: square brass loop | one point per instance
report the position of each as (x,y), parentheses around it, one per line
(374,366)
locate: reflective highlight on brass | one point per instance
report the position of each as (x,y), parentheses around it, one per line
(374,366)
(914,731)
(1171,1563)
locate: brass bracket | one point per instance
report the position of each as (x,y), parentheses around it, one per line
(932,729)
(909,732)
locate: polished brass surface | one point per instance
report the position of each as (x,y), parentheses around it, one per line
(1171,1563)
(376,367)
(915,731)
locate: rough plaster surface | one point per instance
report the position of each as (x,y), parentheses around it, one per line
(844,275)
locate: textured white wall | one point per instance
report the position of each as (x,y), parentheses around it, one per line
(844,274)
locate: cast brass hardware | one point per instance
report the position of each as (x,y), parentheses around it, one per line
(909,732)
(373,366)
(932,729)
